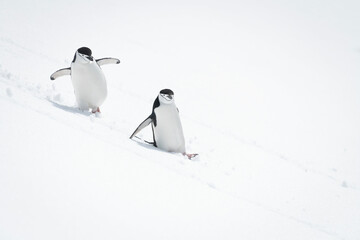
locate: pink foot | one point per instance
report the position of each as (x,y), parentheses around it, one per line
(190,155)
(97,110)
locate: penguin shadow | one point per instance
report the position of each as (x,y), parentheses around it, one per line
(146,145)
(152,147)
(69,109)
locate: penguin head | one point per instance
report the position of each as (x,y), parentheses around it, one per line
(166,96)
(83,55)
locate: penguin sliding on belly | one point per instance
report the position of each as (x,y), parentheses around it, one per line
(166,125)
(87,78)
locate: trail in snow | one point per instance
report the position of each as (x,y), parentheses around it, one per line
(108,131)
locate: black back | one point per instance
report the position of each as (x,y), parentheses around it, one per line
(156,105)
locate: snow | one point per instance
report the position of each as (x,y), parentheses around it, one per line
(267,93)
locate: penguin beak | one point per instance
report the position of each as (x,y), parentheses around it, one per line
(167,97)
(87,57)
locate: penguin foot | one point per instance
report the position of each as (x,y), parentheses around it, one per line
(190,156)
(95,111)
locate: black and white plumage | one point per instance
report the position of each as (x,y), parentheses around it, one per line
(88,79)
(166,125)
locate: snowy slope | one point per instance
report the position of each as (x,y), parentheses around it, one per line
(267,93)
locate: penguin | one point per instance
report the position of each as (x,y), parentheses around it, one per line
(166,125)
(88,79)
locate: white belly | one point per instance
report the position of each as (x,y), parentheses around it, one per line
(168,133)
(89,85)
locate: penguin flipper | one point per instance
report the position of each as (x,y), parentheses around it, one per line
(103,61)
(142,125)
(60,73)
